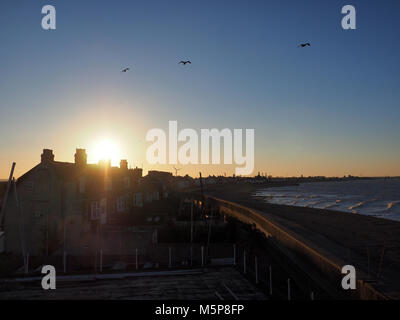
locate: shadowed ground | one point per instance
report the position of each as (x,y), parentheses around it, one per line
(192,285)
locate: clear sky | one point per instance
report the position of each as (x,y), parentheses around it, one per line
(329,109)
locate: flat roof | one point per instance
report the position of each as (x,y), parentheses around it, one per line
(202,285)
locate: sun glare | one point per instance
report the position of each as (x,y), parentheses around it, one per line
(106,150)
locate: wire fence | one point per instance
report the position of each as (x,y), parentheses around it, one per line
(258,267)
(271,276)
(159,256)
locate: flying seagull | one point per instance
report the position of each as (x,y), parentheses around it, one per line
(125,70)
(185,62)
(305,45)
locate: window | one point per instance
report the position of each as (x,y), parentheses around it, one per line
(138,199)
(82,185)
(95,214)
(108,185)
(38,213)
(127,182)
(103,206)
(103,211)
(121,204)
(29,185)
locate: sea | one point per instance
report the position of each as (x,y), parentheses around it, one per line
(379,198)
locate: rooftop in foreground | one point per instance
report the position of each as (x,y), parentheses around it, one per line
(195,284)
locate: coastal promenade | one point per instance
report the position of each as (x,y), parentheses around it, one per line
(321,242)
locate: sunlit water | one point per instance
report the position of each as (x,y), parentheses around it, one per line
(379,198)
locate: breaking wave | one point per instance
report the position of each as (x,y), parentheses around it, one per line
(380,198)
(335,204)
(358,205)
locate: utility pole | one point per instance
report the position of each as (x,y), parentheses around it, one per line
(191,221)
(47,233)
(3,207)
(201,184)
(209,233)
(21,223)
(191,232)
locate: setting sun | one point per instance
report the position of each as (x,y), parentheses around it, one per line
(106,150)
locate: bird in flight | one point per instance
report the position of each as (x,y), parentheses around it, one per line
(125,70)
(305,45)
(185,62)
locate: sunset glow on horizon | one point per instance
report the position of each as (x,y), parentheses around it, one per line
(331,109)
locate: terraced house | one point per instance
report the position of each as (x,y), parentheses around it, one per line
(60,200)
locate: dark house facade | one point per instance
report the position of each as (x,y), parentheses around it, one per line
(62,202)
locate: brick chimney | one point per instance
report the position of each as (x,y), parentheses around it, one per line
(80,157)
(137,174)
(47,156)
(123,164)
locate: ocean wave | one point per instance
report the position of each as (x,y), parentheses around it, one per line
(373,198)
(361,204)
(316,202)
(336,203)
(357,205)
(278,195)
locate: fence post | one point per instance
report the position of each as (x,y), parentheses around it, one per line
(202,256)
(136,258)
(27,264)
(95,260)
(312,295)
(101,260)
(270,280)
(170,259)
(381,263)
(256,269)
(288,289)
(244,261)
(65,261)
(191,255)
(368,263)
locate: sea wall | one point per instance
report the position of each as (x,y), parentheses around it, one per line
(322,266)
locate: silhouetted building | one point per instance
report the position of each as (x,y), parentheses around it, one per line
(60,200)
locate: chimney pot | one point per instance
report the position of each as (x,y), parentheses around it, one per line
(47,155)
(123,164)
(80,157)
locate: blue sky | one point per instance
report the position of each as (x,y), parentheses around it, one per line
(331,109)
